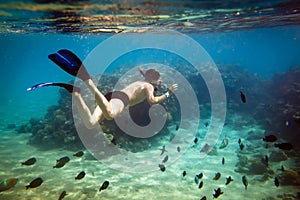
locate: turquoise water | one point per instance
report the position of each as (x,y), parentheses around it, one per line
(253,46)
(264,52)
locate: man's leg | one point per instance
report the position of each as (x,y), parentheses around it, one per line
(110,109)
(89,120)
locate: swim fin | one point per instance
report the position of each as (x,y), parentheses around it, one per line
(70,88)
(70,63)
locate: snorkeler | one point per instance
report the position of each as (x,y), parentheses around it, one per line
(111,104)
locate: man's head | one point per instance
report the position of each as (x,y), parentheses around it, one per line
(152,76)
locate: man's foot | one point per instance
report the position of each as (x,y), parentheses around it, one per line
(70,88)
(70,63)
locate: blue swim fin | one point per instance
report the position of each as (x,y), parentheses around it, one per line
(70,88)
(70,63)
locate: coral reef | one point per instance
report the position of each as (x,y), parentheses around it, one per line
(289,177)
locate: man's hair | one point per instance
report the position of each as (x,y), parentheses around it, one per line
(151,75)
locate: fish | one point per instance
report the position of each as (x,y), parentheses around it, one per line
(195,140)
(218,192)
(177,127)
(184,173)
(287,123)
(203,198)
(59,165)
(35,183)
(243,97)
(163,150)
(242,146)
(178,149)
(228,180)
(200,175)
(284,146)
(63,159)
(270,138)
(8,183)
(206,148)
(239,141)
(245,182)
(78,154)
(223,161)
(224,143)
(30,161)
(165,159)
(61,162)
(276,182)
(200,185)
(217,176)
(267,161)
(80,175)
(162,167)
(206,124)
(62,195)
(196,179)
(104,185)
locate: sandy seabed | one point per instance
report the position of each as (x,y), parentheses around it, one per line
(155,185)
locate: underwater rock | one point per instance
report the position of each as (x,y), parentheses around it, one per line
(289,177)
(277,156)
(255,166)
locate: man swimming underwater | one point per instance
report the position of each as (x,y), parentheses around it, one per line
(111,104)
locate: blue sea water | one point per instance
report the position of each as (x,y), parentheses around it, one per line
(256,54)
(263,52)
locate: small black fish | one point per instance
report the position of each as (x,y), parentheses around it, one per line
(218,192)
(195,140)
(200,185)
(239,141)
(199,176)
(80,175)
(206,124)
(104,186)
(162,167)
(184,173)
(245,182)
(165,159)
(242,146)
(217,176)
(282,168)
(243,97)
(284,146)
(177,127)
(196,179)
(78,154)
(223,161)
(62,195)
(228,180)
(63,159)
(178,149)
(267,161)
(270,138)
(203,198)
(59,165)
(30,161)
(163,150)
(276,182)
(35,183)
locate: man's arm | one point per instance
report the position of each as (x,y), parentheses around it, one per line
(154,100)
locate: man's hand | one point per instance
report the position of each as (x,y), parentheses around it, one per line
(172,88)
